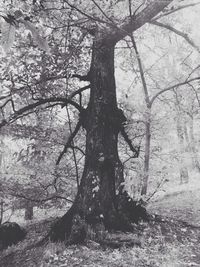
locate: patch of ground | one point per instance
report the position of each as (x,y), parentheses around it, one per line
(179,205)
(165,242)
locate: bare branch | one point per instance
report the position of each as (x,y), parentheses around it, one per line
(40,200)
(166,13)
(178,32)
(72,147)
(78,148)
(159,185)
(129,142)
(48,100)
(69,141)
(77,92)
(144,16)
(84,78)
(7,101)
(171,88)
(85,14)
(195,92)
(102,11)
(30,107)
(5,96)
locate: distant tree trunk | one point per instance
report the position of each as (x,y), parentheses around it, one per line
(193,150)
(147,155)
(100,202)
(184,176)
(28,210)
(1,211)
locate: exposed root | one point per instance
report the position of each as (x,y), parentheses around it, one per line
(61,230)
(74,227)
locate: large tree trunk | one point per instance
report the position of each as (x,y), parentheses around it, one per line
(100,202)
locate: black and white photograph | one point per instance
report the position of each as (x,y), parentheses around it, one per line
(99,133)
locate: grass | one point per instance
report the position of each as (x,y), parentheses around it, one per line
(166,243)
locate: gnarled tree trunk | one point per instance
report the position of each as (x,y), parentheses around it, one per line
(100,202)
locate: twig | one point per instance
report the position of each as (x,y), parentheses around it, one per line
(175,10)
(178,32)
(73,149)
(171,88)
(128,141)
(69,141)
(78,91)
(40,200)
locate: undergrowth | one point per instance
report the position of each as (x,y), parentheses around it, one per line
(166,242)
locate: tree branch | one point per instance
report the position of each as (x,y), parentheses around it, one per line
(78,148)
(128,141)
(92,18)
(32,106)
(178,32)
(48,100)
(172,87)
(102,11)
(144,16)
(72,147)
(69,141)
(77,92)
(166,13)
(85,78)
(6,102)
(5,96)
(40,200)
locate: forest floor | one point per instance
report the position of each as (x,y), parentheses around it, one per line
(173,241)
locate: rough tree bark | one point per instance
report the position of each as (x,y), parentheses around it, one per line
(101,202)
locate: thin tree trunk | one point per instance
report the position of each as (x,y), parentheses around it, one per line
(146,156)
(193,150)
(1,211)
(28,211)
(147,121)
(184,176)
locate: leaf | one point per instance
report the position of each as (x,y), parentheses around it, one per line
(40,41)
(7,36)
